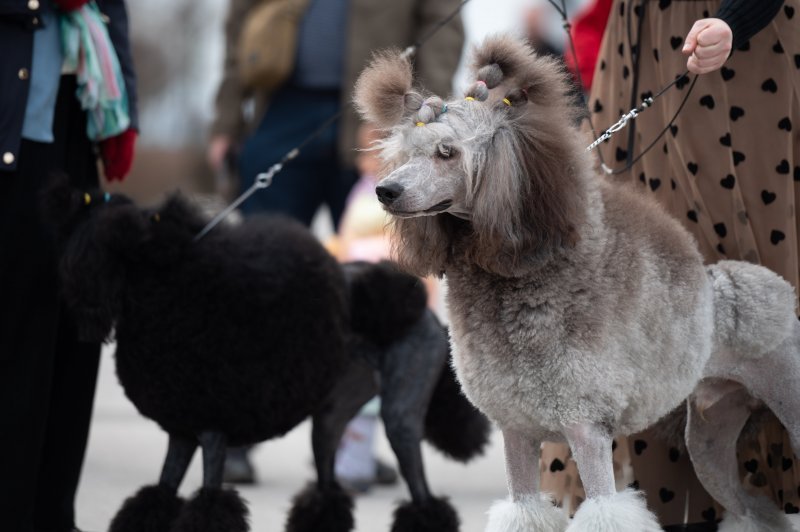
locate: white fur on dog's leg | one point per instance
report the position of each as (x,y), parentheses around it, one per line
(794,519)
(762,515)
(736,523)
(625,511)
(529,513)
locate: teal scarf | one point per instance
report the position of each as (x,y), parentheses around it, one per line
(101,88)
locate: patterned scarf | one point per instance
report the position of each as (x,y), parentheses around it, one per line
(101,88)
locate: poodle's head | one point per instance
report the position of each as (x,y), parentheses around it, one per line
(105,238)
(490,175)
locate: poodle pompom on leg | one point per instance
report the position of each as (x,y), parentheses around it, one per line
(761,516)
(529,512)
(526,509)
(313,510)
(625,511)
(155,508)
(152,509)
(434,515)
(213,510)
(605,510)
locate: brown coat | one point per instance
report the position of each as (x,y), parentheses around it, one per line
(373,25)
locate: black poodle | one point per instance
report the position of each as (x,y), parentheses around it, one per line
(238,337)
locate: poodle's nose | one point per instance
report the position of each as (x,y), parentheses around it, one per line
(388,193)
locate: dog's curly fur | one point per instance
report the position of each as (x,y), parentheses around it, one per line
(579,310)
(238,337)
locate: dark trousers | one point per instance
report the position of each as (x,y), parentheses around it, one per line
(47,377)
(316,176)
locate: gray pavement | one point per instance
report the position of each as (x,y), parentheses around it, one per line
(126,451)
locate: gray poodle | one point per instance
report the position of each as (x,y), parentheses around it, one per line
(580,310)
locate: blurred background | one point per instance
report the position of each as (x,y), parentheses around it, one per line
(178,52)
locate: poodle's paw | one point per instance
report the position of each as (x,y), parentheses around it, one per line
(314,510)
(213,510)
(761,515)
(529,513)
(434,515)
(625,511)
(153,508)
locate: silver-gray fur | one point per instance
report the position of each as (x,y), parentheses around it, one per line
(579,309)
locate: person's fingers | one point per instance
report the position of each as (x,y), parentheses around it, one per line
(690,42)
(703,66)
(707,52)
(715,32)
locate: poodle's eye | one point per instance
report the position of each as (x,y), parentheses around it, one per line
(445,152)
(156,217)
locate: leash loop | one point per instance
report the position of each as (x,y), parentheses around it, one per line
(264,179)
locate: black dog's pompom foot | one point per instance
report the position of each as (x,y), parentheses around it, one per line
(434,515)
(314,510)
(152,509)
(213,510)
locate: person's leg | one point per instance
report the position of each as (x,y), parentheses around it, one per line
(71,400)
(28,321)
(75,363)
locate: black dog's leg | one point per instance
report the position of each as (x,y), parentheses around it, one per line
(213,509)
(357,386)
(324,506)
(214,445)
(179,455)
(410,369)
(155,508)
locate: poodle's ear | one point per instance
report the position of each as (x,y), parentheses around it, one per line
(497,219)
(382,93)
(179,211)
(121,227)
(524,203)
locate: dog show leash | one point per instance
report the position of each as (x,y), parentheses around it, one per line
(264,179)
(646,103)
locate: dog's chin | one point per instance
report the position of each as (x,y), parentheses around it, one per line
(440,207)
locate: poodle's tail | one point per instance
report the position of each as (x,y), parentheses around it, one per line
(754,308)
(385,302)
(453,425)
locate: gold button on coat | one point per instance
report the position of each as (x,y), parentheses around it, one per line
(33,5)
(8,157)
(23,73)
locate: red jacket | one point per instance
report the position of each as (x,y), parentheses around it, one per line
(587,34)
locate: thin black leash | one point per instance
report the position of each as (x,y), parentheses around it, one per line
(633,113)
(264,179)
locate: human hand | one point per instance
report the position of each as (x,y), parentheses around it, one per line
(70,5)
(117,154)
(708,45)
(218,149)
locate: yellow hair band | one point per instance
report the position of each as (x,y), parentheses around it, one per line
(87,199)
(507,102)
(470,98)
(420,124)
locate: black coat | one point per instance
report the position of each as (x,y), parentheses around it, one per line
(19,19)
